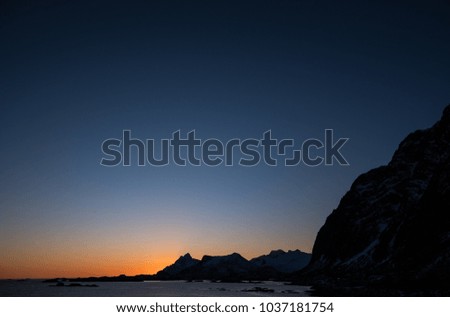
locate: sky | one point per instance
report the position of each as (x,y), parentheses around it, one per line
(75,73)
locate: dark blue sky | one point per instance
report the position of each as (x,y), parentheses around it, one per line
(74,73)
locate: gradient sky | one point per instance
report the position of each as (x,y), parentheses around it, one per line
(74,73)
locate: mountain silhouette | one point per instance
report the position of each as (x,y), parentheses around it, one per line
(392,228)
(234,267)
(184,262)
(286,262)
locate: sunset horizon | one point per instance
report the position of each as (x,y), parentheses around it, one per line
(130,266)
(134,133)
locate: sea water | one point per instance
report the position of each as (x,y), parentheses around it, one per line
(150,289)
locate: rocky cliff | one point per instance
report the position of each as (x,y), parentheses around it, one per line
(393,225)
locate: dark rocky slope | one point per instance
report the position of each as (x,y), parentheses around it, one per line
(392,228)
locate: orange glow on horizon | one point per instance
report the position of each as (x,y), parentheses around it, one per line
(112,267)
(74,265)
(130,254)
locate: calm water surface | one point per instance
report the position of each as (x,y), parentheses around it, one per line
(150,288)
